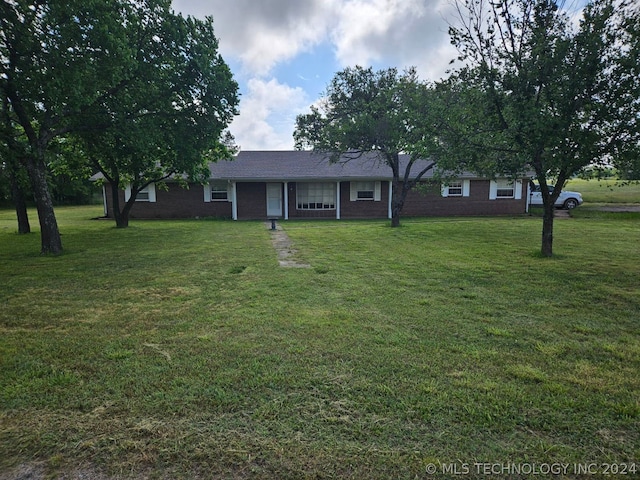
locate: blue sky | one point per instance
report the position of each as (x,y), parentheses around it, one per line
(283,53)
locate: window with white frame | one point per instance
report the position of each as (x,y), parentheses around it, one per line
(147,194)
(505,188)
(456,188)
(219,192)
(365,191)
(316,196)
(143,195)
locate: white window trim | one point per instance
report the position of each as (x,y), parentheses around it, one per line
(151,188)
(466,189)
(517,191)
(353,192)
(207,193)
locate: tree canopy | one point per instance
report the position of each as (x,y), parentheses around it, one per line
(165,122)
(538,93)
(151,78)
(57,59)
(385,112)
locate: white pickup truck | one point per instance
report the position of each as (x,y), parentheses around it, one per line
(566,199)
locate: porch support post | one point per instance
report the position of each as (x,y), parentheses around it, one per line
(390,197)
(104,201)
(234,201)
(338,200)
(286,200)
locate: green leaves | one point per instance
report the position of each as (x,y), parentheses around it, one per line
(362,110)
(383,112)
(168,115)
(144,90)
(540,94)
(564,98)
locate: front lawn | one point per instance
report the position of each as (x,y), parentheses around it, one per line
(180,349)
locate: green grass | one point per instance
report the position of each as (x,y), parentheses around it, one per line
(180,349)
(605,191)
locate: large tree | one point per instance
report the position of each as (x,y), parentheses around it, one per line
(83,66)
(168,121)
(385,112)
(57,58)
(539,93)
(12,151)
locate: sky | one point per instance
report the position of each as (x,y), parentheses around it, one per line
(284,53)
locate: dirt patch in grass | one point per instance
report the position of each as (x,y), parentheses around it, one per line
(36,471)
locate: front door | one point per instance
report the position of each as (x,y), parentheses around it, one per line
(274,199)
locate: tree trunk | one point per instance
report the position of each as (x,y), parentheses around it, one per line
(20,202)
(121,216)
(547,230)
(49,233)
(395,216)
(16,171)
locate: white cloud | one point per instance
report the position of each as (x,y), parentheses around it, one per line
(366,27)
(267,115)
(260,35)
(266,32)
(400,33)
(263,34)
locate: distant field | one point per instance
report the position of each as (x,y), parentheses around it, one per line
(605,191)
(181,350)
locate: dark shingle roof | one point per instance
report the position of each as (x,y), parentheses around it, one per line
(304,165)
(294,165)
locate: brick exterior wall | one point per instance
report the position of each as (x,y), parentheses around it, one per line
(477,203)
(178,202)
(364,208)
(252,201)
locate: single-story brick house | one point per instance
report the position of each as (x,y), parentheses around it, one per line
(301,184)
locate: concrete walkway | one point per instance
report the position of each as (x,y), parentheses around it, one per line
(283,247)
